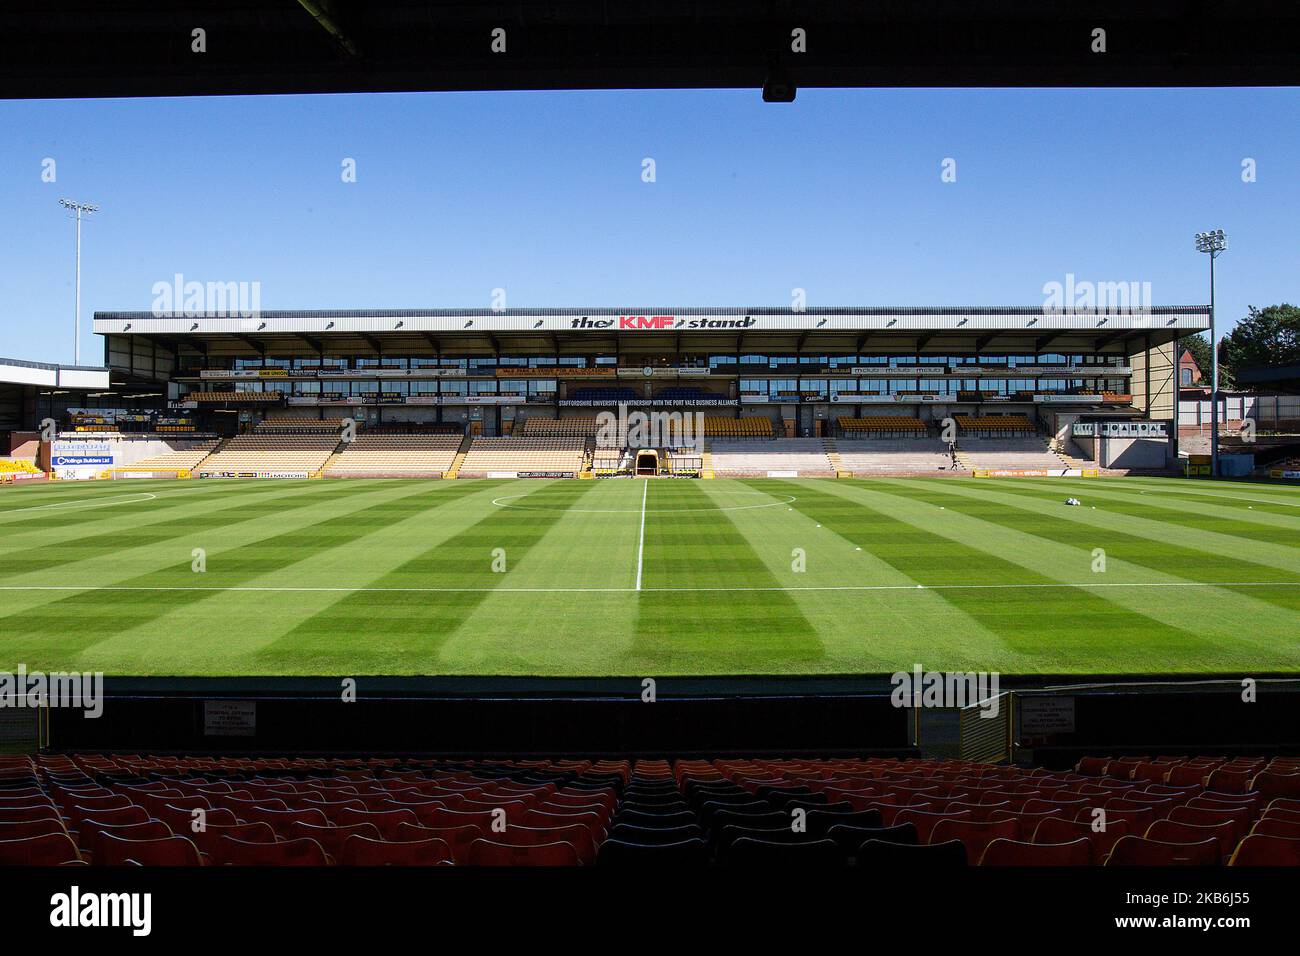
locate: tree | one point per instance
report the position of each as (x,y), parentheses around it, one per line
(1199,346)
(1268,336)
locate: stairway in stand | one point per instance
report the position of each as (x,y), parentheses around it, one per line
(456,462)
(833,455)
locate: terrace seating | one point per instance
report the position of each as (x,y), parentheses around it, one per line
(282,424)
(513,456)
(1011,454)
(747,427)
(877,812)
(254,454)
(741,459)
(881,426)
(897,456)
(18,466)
(176,460)
(579,427)
(395,456)
(995,425)
(230,396)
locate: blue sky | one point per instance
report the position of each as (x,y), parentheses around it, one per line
(542,194)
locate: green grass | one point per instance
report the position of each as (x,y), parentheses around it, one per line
(395,577)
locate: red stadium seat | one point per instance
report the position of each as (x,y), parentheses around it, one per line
(385,821)
(361,851)
(1171,831)
(1229,781)
(89,836)
(925,822)
(164,851)
(30,828)
(207,840)
(1002,852)
(458,838)
(1239,817)
(333,838)
(29,814)
(1275,827)
(491,853)
(1261,850)
(1185,774)
(973,834)
(183,821)
(1135,851)
(280,820)
(50,849)
(228,851)
(1058,830)
(1271,784)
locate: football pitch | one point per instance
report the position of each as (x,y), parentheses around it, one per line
(648,578)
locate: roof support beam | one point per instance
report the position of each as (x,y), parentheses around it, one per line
(254,344)
(983,341)
(1043,341)
(373,342)
(328,14)
(316,344)
(1105,340)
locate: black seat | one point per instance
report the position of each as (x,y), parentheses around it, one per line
(851,836)
(767,820)
(659,821)
(654,836)
(820,821)
(655,806)
(750,852)
(711,809)
(621,852)
(878,853)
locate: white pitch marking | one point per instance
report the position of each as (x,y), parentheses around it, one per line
(86,502)
(640,547)
(785,500)
(1082,585)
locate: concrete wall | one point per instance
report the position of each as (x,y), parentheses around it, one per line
(1145,453)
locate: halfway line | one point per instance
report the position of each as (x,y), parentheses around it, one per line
(640,547)
(846,587)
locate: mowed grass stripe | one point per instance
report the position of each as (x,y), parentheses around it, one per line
(863,630)
(1058,627)
(684,632)
(402,632)
(69,624)
(1271,540)
(1277,510)
(342,551)
(148,527)
(1132,557)
(57,526)
(592,545)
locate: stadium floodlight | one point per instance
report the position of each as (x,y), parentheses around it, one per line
(1214,243)
(79,208)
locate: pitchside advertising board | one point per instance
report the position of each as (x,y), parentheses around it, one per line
(73,460)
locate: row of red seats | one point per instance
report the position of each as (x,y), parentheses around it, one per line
(351,817)
(310,812)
